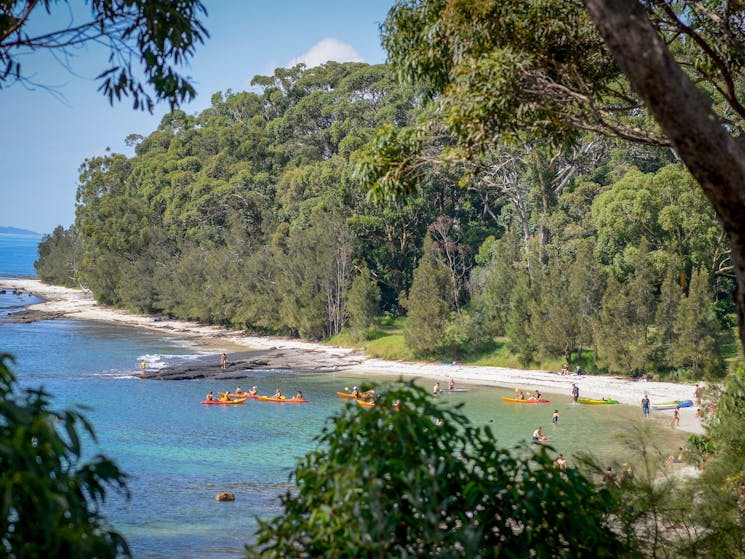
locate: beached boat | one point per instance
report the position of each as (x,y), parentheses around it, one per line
(594,402)
(365,403)
(346,395)
(282,400)
(221,402)
(672,405)
(525,400)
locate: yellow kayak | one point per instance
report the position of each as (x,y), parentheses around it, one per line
(594,402)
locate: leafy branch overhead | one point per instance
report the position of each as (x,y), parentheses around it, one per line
(148,41)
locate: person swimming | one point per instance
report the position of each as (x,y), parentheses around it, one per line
(538,436)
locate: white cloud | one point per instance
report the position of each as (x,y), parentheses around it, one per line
(325,50)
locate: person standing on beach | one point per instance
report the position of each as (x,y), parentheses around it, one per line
(142,366)
(609,478)
(676,417)
(645,405)
(698,393)
(575,392)
(224,361)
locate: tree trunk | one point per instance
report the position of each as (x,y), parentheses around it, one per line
(714,158)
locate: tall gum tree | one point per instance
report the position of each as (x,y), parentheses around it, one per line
(714,157)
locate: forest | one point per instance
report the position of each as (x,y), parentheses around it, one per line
(257,213)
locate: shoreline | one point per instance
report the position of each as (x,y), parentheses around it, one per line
(287,353)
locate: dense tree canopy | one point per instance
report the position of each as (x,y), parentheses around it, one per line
(248,214)
(658,74)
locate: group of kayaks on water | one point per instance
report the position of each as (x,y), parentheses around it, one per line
(365,398)
(536,398)
(240,396)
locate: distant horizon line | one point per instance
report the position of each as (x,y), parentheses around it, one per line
(18,231)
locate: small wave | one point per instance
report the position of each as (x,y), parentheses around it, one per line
(116,375)
(160,360)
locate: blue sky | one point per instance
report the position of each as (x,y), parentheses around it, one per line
(43,139)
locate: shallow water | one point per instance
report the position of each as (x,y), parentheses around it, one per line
(179,454)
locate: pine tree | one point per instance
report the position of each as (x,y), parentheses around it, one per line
(554,326)
(626,317)
(493,281)
(697,333)
(363,305)
(518,319)
(428,303)
(666,316)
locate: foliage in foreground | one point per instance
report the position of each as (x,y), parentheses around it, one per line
(389,482)
(719,492)
(49,496)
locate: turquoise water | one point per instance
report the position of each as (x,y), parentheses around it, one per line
(17,255)
(179,454)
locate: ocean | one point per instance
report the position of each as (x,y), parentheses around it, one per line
(178,454)
(17,255)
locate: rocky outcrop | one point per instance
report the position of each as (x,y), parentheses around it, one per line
(224,496)
(240,365)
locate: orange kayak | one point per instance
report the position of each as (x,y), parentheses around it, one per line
(365,403)
(282,400)
(223,402)
(232,396)
(345,395)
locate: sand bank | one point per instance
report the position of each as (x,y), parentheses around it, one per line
(277,352)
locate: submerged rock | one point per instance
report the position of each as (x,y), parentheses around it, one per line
(225,496)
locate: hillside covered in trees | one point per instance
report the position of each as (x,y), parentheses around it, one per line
(254,214)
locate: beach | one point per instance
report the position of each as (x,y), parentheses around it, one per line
(246,351)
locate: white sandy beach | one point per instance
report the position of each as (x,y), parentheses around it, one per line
(80,305)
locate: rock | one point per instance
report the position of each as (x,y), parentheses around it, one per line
(224,496)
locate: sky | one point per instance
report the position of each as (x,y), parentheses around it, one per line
(46,133)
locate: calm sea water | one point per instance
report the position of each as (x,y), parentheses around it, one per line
(17,255)
(179,454)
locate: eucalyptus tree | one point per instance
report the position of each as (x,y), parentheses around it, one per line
(147,41)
